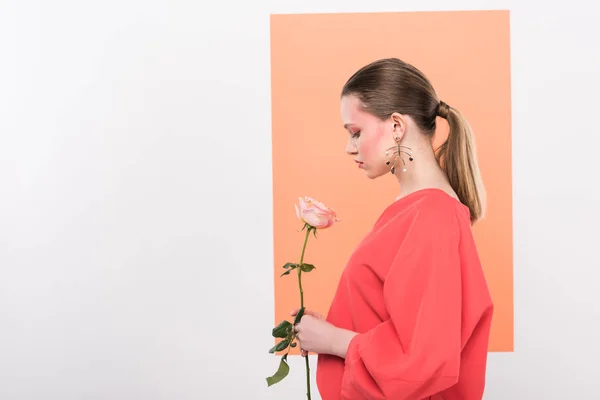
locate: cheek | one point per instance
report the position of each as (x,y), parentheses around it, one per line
(370,145)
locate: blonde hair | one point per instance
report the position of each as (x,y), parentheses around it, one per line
(392,85)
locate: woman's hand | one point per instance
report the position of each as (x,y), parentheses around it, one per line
(313,332)
(319,336)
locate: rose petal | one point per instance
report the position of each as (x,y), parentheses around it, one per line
(311,218)
(326,223)
(315,213)
(321,206)
(303,205)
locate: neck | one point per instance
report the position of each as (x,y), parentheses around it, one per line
(422,173)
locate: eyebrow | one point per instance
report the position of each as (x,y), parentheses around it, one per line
(347,125)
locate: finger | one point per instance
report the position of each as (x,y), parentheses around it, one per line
(308,312)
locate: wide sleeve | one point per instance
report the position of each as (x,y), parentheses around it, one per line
(416,352)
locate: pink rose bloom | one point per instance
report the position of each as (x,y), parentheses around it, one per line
(315,213)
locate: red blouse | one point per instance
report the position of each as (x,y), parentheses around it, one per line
(416,294)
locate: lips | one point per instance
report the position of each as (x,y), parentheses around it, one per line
(360,163)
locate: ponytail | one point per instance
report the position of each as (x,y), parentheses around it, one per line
(457,157)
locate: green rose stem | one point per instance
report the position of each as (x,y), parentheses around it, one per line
(285,329)
(326,217)
(310,228)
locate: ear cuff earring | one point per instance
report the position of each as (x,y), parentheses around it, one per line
(396,153)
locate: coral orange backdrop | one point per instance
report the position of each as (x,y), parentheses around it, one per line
(467,57)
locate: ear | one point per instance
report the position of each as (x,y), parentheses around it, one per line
(398,125)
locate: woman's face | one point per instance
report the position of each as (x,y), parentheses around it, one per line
(369,137)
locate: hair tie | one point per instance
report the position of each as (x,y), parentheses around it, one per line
(443,110)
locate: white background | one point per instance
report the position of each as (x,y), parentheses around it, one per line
(135,199)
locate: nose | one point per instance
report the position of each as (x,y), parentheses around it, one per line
(351,147)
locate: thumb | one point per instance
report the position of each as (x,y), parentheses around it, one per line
(308,312)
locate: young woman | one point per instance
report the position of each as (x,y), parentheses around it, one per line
(411,316)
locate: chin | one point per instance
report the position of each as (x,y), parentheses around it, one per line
(375,174)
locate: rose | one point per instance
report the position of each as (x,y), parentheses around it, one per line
(315,213)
